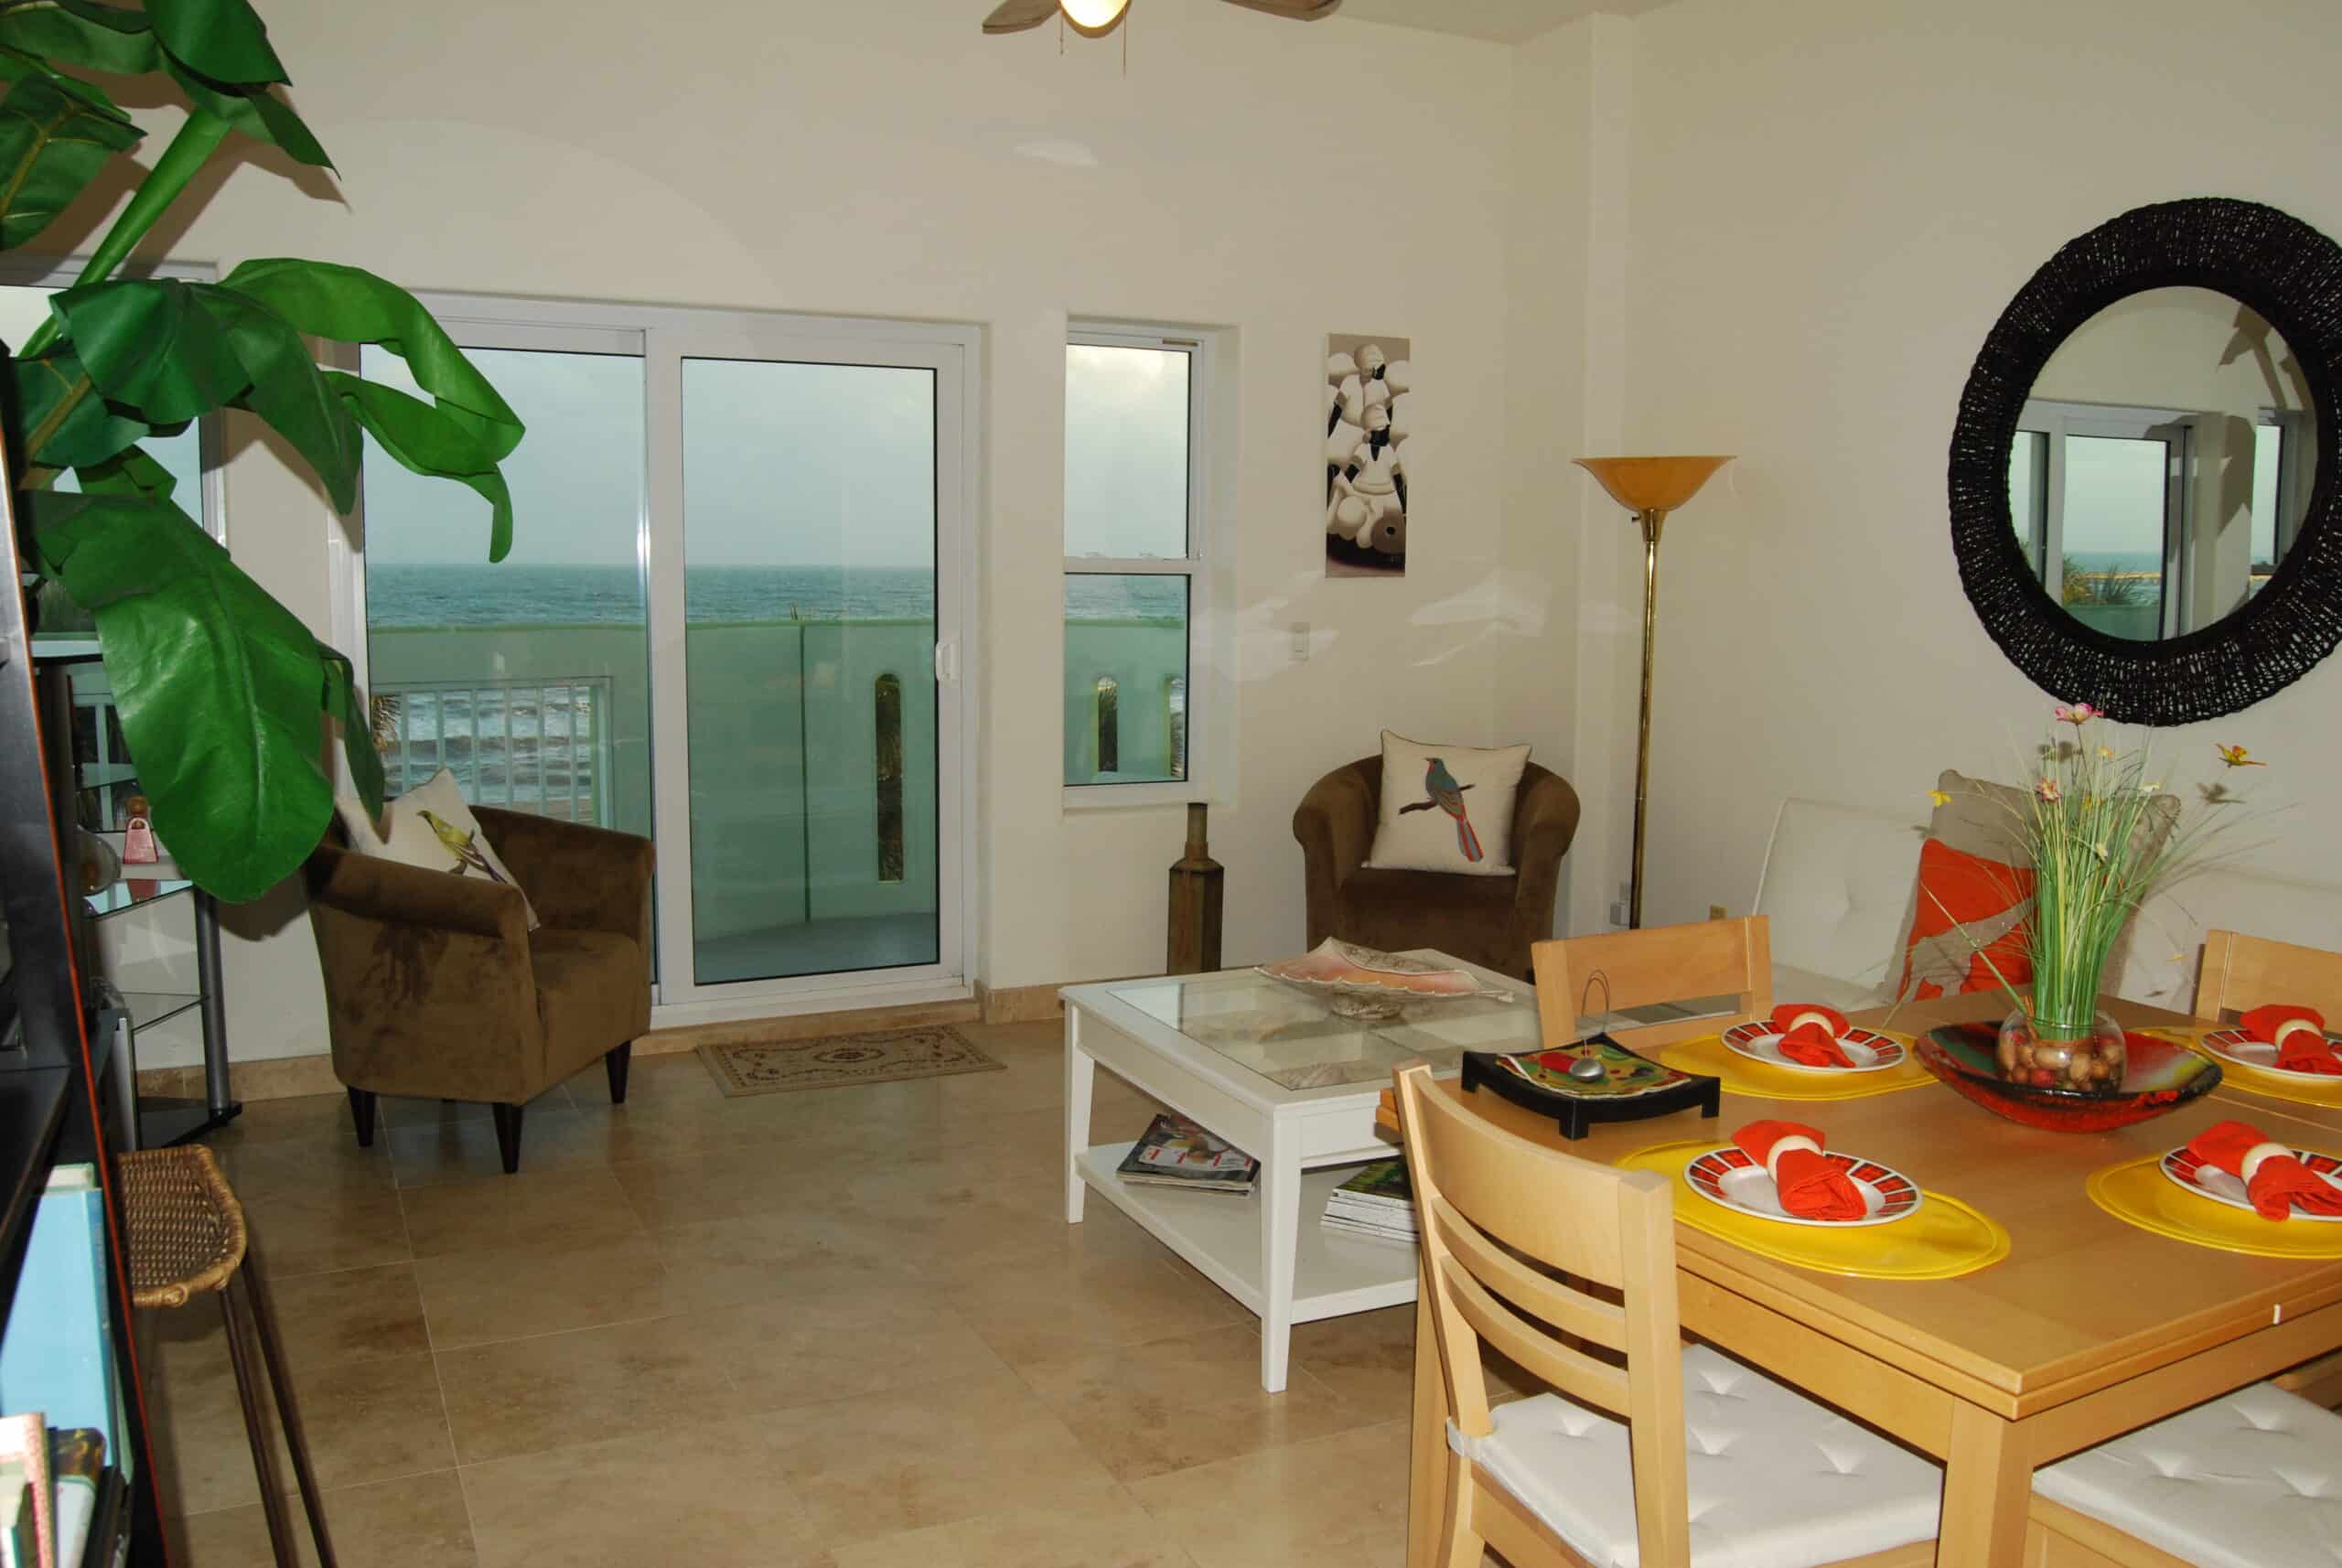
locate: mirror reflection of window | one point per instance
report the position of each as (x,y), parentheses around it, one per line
(2162,462)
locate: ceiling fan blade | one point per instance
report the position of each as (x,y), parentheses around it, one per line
(1299,10)
(1016,15)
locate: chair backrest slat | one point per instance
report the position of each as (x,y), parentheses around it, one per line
(1584,976)
(1568,1311)
(1479,1191)
(2241,972)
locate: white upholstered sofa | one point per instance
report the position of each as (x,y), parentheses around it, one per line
(1839,885)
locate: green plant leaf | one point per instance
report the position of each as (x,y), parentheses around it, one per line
(256,111)
(218,686)
(64,424)
(353,306)
(170,350)
(97,38)
(129,473)
(224,39)
(52,144)
(429,441)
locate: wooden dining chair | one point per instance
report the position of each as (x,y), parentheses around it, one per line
(1766,1476)
(2241,972)
(1583,976)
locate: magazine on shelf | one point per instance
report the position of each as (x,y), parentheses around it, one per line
(1390,1233)
(1175,1151)
(1381,1188)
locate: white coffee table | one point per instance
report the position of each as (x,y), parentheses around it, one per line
(1271,1069)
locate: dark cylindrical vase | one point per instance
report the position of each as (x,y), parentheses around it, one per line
(1193,945)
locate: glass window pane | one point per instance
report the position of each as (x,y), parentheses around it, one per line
(1126,452)
(2268,456)
(1125,679)
(2028,475)
(808,587)
(528,678)
(2116,497)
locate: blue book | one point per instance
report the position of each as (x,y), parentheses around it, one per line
(56,1354)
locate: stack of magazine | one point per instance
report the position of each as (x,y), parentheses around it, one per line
(1375,1202)
(1175,1151)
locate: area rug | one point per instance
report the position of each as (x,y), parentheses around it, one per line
(880,1056)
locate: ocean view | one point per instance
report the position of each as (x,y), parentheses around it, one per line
(472,594)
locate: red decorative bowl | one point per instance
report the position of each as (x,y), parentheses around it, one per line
(2160,1075)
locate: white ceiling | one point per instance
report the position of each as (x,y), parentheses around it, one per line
(1506,21)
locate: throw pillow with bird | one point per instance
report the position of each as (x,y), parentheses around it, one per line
(430,826)
(1447,807)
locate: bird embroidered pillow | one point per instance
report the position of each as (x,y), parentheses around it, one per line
(430,827)
(1447,807)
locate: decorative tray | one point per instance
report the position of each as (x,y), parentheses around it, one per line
(1363,982)
(1631,1088)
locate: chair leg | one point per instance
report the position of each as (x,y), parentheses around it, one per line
(362,1111)
(287,1414)
(271,1499)
(508,1134)
(1466,1546)
(615,1063)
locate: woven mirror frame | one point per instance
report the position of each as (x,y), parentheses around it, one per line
(2290,274)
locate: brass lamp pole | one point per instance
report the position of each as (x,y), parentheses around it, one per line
(1650,488)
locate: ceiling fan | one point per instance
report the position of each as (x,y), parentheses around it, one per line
(1096,19)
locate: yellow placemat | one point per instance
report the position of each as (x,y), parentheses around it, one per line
(1709,1056)
(2253,1079)
(2137,1192)
(1943,1241)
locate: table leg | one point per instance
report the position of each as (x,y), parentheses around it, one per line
(1427,1456)
(1987,1492)
(1080,1073)
(1280,1238)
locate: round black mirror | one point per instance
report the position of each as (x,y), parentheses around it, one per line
(2142,478)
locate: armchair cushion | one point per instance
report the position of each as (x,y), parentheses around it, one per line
(430,826)
(592,993)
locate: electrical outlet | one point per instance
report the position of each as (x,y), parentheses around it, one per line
(1622,908)
(1301,642)
(1715,912)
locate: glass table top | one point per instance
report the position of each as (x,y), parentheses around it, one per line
(1293,1037)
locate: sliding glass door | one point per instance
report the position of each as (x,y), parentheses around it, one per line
(730,621)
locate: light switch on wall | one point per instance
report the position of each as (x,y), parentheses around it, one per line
(1301,642)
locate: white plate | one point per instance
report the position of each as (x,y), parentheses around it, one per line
(2236,1046)
(1730,1179)
(2210,1181)
(1868,1050)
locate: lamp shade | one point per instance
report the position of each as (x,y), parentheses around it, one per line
(1093,17)
(1651,484)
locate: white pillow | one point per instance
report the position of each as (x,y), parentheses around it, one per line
(1447,807)
(456,843)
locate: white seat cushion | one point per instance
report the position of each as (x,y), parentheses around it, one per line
(1793,984)
(1838,889)
(1776,1480)
(2252,1479)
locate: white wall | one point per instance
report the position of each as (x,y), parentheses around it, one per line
(1832,201)
(1281,180)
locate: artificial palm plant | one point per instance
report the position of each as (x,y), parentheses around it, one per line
(222,691)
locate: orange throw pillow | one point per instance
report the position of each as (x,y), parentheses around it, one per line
(1966,904)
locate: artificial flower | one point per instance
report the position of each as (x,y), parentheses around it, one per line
(2047,789)
(2106,753)
(2236,756)
(1939,797)
(2078,715)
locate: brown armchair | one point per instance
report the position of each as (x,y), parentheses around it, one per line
(437,988)
(1491,920)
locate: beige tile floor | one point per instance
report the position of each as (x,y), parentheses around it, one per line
(845,1328)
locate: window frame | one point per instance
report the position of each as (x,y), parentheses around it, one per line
(1210,691)
(2174,429)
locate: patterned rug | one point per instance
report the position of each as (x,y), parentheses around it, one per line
(881,1055)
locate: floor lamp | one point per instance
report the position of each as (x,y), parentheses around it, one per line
(1650,488)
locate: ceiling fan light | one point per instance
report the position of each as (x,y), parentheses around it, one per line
(1093,15)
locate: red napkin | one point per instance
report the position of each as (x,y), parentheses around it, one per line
(2278,1183)
(1810,1187)
(1815,1043)
(2299,1049)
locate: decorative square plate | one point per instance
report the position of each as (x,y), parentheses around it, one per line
(2236,1046)
(1867,1050)
(2210,1181)
(1728,1177)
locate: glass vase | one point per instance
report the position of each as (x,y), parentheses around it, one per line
(2072,1058)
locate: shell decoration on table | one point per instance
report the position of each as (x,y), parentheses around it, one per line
(1365,983)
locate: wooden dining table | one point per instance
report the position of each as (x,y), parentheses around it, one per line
(2090,1328)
